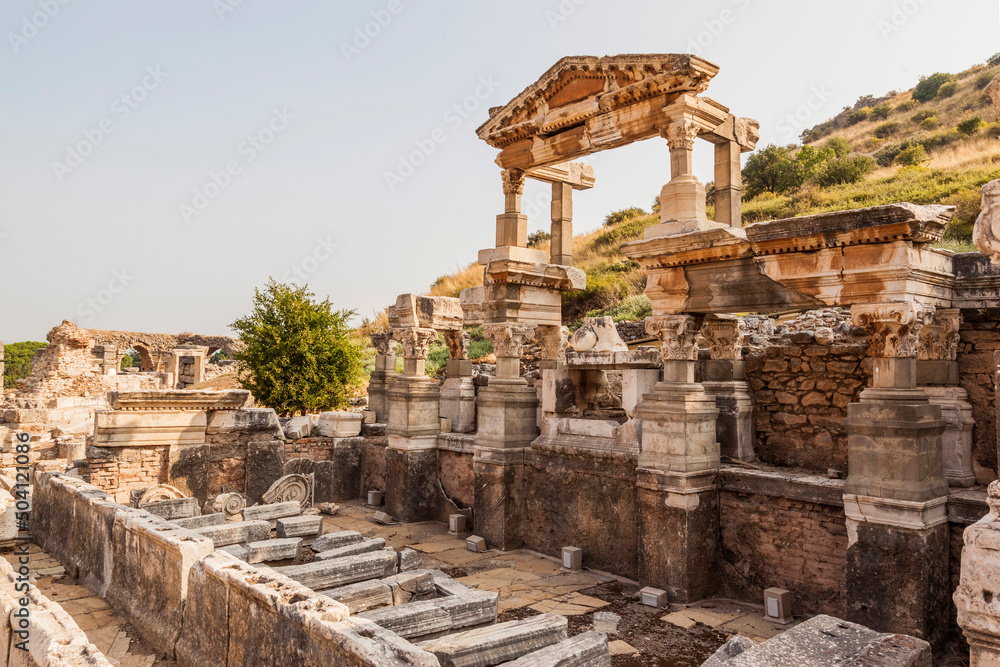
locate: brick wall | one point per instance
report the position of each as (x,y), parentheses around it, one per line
(979,339)
(317,449)
(129,468)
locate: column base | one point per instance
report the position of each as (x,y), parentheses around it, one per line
(734,425)
(411,484)
(498,506)
(458,403)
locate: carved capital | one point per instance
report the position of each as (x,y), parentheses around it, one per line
(938,340)
(678,335)
(513,181)
(725,338)
(416,341)
(681,134)
(508,338)
(552,340)
(384,344)
(458,343)
(892,327)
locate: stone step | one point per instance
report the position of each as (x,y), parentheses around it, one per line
(173,508)
(325,574)
(271,550)
(422,618)
(587,650)
(236,532)
(470,609)
(272,512)
(335,540)
(352,549)
(299,526)
(395,590)
(201,521)
(496,644)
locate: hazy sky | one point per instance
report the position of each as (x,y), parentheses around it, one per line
(161,159)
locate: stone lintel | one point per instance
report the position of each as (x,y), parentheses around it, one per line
(622,360)
(412,443)
(779,483)
(896,513)
(578,175)
(683,483)
(501,456)
(967,506)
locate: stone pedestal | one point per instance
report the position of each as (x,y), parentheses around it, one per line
(976,596)
(458,397)
(956,440)
(385,371)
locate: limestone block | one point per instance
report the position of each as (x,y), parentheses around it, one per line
(410,586)
(362,596)
(342,571)
(299,526)
(245,420)
(589,649)
(418,619)
(299,427)
(597,334)
(273,511)
(409,559)
(335,540)
(458,403)
(498,643)
(471,300)
(272,550)
(237,551)
(149,428)
(236,532)
(363,547)
(8,521)
(202,521)
(986,233)
(736,645)
(340,424)
(430,312)
(175,508)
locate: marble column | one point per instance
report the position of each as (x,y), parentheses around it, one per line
(512,225)
(724,376)
(895,495)
(458,393)
(385,370)
(728,184)
(678,465)
(561,245)
(413,398)
(507,424)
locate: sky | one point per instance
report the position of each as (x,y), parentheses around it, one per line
(160,160)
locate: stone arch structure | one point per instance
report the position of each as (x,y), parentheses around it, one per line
(155,349)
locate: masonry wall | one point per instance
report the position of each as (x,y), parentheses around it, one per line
(121,470)
(979,340)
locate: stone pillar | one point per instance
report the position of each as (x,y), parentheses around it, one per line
(728,184)
(512,225)
(508,424)
(458,393)
(414,406)
(937,373)
(678,463)
(561,245)
(895,495)
(385,370)
(724,376)
(683,198)
(976,596)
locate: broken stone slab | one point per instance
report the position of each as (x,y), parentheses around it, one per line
(447,585)
(409,559)
(325,574)
(236,532)
(498,643)
(337,539)
(443,313)
(272,512)
(737,645)
(202,521)
(411,586)
(824,641)
(272,550)
(173,508)
(589,649)
(299,427)
(473,608)
(416,619)
(237,550)
(299,526)
(382,518)
(363,547)
(340,424)
(362,596)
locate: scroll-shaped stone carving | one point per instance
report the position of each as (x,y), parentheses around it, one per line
(725,338)
(295,487)
(508,338)
(987,231)
(892,327)
(160,492)
(384,344)
(678,335)
(458,343)
(552,341)
(598,334)
(416,341)
(938,340)
(229,504)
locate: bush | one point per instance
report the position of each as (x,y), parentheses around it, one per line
(929,123)
(858,115)
(908,105)
(537,238)
(970,126)
(929,86)
(616,217)
(984,79)
(993,60)
(773,169)
(845,170)
(886,129)
(881,112)
(921,115)
(913,156)
(947,89)
(298,353)
(17,361)
(840,146)
(887,155)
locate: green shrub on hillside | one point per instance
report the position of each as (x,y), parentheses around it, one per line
(840,146)
(479,345)
(912,156)
(858,115)
(881,112)
(17,361)
(886,130)
(928,87)
(970,126)
(984,79)
(845,170)
(617,217)
(993,60)
(908,105)
(538,237)
(921,115)
(947,89)
(941,139)
(615,235)
(635,307)
(929,123)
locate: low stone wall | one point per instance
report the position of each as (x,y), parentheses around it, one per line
(54,637)
(121,470)
(458,480)
(979,337)
(373,458)
(338,477)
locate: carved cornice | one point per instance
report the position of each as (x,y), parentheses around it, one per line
(892,327)
(678,335)
(416,341)
(938,340)
(513,181)
(508,338)
(384,344)
(725,338)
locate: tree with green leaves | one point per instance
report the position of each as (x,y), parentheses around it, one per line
(298,353)
(17,362)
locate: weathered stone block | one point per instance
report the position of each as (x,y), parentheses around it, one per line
(273,511)
(299,526)
(272,550)
(236,532)
(340,424)
(332,573)
(335,540)
(498,643)
(363,547)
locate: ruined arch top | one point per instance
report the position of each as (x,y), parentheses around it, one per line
(159,346)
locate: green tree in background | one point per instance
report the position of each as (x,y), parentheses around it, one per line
(299,355)
(17,361)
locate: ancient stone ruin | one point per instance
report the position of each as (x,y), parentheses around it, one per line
(808,420)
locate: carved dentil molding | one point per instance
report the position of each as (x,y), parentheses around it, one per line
(508,338)
(678,335)
(939,339)
(893,328)
(384,344)
(416,341)
(725,338)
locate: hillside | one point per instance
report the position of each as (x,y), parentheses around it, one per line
(934,144)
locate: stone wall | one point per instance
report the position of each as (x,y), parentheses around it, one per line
(120,471)
(979,339)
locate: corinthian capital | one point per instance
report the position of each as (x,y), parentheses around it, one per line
(681,134)
(384,344)
(552,341)
(725,338)
(508,338)
(678,335)
(513,181)
(938,340)
(416,341)
(892,327)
